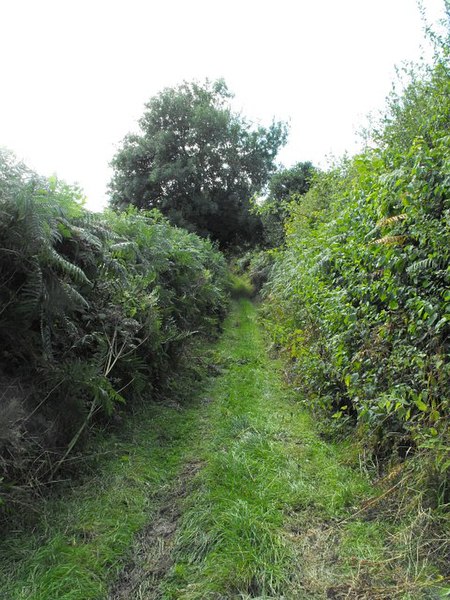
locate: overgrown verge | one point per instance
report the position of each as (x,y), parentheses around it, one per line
(359,298)
(73,545)
(95,311)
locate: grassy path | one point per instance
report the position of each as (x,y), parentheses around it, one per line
(268,488)
(234,496)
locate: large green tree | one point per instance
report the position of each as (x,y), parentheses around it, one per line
(198,161)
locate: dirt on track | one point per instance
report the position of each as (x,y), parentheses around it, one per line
(152,554)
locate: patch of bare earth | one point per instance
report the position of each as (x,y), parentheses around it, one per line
(152,554)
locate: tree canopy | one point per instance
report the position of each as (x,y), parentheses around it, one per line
(286,185)
(198,162)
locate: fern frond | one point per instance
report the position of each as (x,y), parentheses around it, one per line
(385,221)
(87,237)
(426,264)
(96,226)
(70,326)
(392,240)
(126,246)
(113,266)
(123,245)
(77,299)
(105,395)
(46,338)
(66,267)
(30,296)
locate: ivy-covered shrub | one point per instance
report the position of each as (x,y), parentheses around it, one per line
(361,295)
(94,313)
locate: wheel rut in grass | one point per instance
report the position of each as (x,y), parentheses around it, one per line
(152,552)
(268,509)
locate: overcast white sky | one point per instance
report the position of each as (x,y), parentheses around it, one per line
(75,74)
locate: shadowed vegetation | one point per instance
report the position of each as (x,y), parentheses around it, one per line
(95,312)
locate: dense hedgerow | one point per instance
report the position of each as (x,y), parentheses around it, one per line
(361,295)
(94,311)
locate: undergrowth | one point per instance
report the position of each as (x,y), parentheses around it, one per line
(358,299)
(72,545)
(95,311)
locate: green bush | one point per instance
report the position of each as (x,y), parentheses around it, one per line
(95,312)
(255,265)
(360,297)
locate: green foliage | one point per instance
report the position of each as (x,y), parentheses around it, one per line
(360,297)
(256,265)
(197,162)
(285,187)
(95,309)
(287,182)
(272,512)
(78,542)
(247,497)
(241,287)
